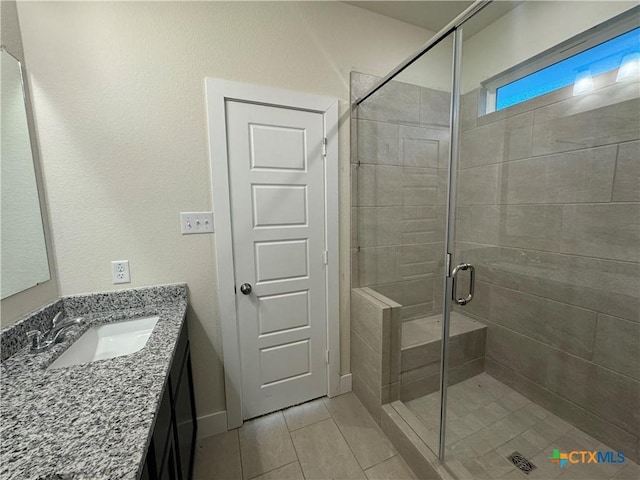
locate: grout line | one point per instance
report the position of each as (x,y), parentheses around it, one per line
(240,451)
(347,442)
(551,252)
(376,427)
(308,425)
(573,404)
(583,359)
(397,454)
(281,466)
(295,450)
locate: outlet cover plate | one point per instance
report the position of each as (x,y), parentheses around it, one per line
(196,222)
(120,272)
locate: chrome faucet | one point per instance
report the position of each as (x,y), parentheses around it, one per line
(43,341)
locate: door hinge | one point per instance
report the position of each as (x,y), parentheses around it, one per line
(326,356)
(325,257)
(235,289)
(324,147)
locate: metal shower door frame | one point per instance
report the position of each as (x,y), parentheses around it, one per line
(454,28)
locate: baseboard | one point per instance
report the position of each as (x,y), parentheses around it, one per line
(212,424)
(345,383)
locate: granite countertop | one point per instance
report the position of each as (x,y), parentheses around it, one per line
(91,421)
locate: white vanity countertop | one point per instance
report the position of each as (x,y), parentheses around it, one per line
(95,420)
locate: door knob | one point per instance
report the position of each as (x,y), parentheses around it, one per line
(245,288)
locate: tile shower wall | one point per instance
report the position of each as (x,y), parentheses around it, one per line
(400,146)
(549,213)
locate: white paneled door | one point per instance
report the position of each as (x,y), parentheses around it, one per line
(276,176)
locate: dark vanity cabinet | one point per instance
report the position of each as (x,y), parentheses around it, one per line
(170,454)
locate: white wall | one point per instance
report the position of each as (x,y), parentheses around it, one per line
(119,99)
(526,31)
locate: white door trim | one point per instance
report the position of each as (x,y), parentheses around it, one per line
(217,93)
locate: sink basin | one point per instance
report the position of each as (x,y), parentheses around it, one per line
(108,340)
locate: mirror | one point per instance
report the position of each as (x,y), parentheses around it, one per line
(23,259)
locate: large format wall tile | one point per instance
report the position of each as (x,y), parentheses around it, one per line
(478,185)
(379,226)
(604,231)
(418,153)
(392,264)
(558,324)
(379,186)
(435,106)
(469,110)
(367,318)
(377,142)
(508,139)
(377,265)
(617,345)
(595,284)
(430,135)
(579,176)
(627,185)
(536,227)
(397,102)
(409,292)
(396,186)
(559,129)
(614,397)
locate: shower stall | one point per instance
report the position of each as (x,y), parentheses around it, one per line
(495,303)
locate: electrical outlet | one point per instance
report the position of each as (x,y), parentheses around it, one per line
(196,222)
(120,271)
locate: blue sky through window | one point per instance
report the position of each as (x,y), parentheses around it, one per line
(602,58)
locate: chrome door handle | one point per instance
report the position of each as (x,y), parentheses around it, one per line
(472,282)
(245,288)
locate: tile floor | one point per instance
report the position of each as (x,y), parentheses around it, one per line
(487,421)
(323,439)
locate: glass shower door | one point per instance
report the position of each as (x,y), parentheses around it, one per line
(400,181)
(546,236)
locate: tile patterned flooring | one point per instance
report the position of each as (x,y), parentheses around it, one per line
(322,439)
(487,421)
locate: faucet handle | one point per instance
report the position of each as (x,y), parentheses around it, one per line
(57,319)
(36,337)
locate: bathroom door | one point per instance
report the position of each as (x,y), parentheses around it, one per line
(276,170)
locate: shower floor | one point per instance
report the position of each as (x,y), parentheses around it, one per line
(487,421)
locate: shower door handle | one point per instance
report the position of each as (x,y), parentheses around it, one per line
(472,282)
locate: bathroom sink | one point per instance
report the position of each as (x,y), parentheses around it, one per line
(108,340)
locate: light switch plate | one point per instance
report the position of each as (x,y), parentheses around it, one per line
(196,222)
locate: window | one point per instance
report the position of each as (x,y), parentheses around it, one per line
(614,45)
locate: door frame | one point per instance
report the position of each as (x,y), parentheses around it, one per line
(217,93)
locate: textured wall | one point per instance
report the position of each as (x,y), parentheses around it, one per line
(17,305)
(549,213)
(119,97)
(399,189)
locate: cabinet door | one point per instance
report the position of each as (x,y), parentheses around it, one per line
(169,468)
(145,471)
(185,418)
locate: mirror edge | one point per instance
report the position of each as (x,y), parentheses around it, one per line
(15,306)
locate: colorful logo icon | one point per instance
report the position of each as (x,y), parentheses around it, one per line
(559,458)
(585,456)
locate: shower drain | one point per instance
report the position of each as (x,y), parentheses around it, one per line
(521,462)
